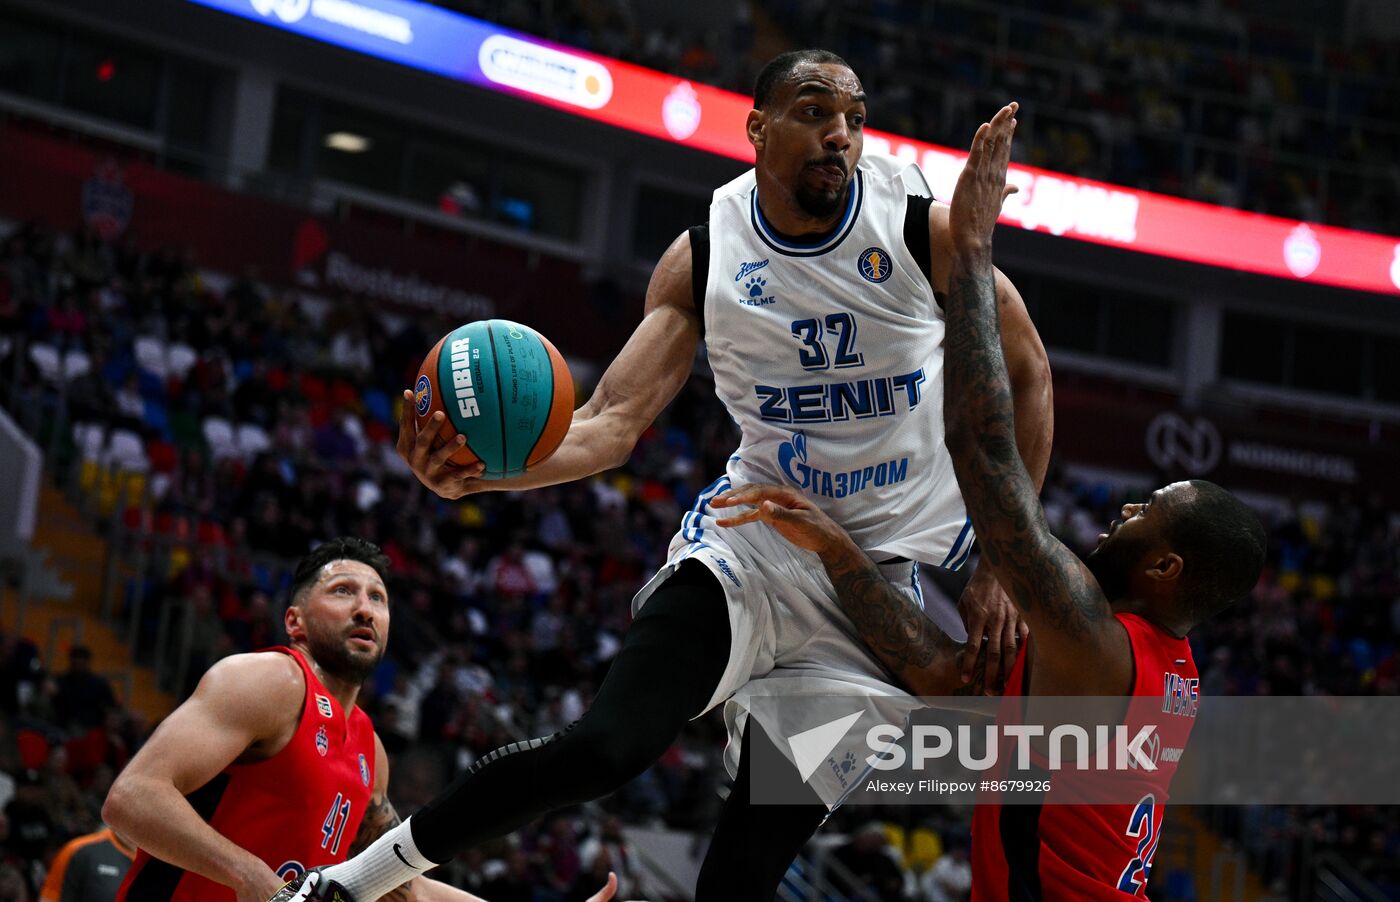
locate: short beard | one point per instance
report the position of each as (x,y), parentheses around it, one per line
(338,661)
(1112,563)
(820,204)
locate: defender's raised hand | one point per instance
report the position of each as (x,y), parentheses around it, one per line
(786,510)
(982,185)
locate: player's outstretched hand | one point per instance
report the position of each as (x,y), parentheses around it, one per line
(988,612)
(607,892)
(982,187)
(431,467)
(794,517)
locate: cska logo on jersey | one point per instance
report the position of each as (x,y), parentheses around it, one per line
(364,769)
(323,705)
(323,742)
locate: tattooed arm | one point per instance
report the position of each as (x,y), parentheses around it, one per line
(380,818)
(1079,647)
(915,650)
(984,604)
(897,630)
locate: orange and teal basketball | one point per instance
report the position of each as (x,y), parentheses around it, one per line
(502,385)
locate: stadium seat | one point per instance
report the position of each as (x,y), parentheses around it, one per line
(251,440)
(344,396)
(160,485)
(923,849)
(162,455)
(126,450)
(218,435)
(277,379)
(46,358)
(90,474)
(33,747)
(155,415)
(149,384)
(313,388)
(210,533)
(185,429)
(377,405)
(135,489)
(151,355)
(90,439)
(76,364)
(356,430)
(181,359)
(106,491)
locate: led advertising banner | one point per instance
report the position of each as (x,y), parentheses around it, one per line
(642,100)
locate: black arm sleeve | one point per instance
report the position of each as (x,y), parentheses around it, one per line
(916,231)
(700,265)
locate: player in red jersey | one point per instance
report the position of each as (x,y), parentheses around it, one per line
(269,767)
(1113,625)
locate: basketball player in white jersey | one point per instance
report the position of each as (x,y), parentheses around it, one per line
(813,285)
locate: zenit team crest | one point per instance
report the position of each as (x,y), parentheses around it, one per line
(364,769)
(875,265)
(323,705)
(323,742)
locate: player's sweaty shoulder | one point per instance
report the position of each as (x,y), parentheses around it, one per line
(672,283)
(261,689)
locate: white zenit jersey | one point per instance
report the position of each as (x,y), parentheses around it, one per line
(829,356)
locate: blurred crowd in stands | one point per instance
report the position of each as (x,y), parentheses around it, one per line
(1232,102)
(507,608)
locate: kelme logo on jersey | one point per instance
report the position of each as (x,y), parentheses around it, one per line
(792,460)
(755,289)
(423,395)
(875,265)
(323,705)
(323,742)
(364,769)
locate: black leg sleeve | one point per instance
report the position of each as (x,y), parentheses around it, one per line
(754,844)
(667,669)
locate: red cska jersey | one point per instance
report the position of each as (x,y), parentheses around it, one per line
(300,808)
(1103,851)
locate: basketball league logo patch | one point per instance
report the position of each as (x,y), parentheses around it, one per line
(423,395)
(875,265)
(323,742)
(323,705)
(364,769)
